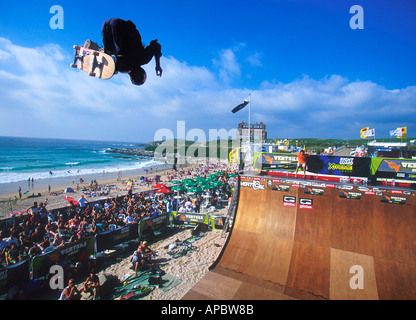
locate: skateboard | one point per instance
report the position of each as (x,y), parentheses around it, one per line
(96,63)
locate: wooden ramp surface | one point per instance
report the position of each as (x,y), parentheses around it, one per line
(316,241)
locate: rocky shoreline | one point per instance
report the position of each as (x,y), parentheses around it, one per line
(131,152)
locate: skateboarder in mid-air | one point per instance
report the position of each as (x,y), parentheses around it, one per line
(123,41)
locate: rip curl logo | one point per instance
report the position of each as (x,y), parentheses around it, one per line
(256,185)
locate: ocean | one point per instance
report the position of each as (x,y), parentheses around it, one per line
(57,162)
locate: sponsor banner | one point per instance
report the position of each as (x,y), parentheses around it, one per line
(393,199)
(339,166)
(217,222)
(108,239)
(155,223)
(314,191)
(289,201)
(275,161)
(78,251)
(393,168)
(305,203)
(281,187)
(350,195)
(190,219)
(255,184)
(16,274)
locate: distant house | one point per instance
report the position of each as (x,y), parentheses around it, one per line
(257,131)
(343,152)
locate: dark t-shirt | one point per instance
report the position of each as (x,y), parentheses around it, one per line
(121,37)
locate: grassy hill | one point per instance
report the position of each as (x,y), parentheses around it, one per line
(223,147)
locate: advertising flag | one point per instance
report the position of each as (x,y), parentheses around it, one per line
(369,133)
(362,131)
(403,133)
(396,133)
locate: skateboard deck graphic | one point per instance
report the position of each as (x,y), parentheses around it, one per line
(95,63)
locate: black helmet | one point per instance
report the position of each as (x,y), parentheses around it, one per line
(137,76)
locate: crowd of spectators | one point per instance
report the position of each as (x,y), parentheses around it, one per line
(42,229)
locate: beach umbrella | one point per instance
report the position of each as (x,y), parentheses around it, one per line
(71,200)
(232,175)
(159,186)
(188,180)
(164,190)
(216,183)
(194,190)
(200,179)
(220,173)
(178,188)
(189,184)
(177,182)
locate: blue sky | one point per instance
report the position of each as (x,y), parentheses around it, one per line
(308,73)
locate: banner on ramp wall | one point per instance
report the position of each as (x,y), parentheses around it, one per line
(339,166)
(393,168)
(321,164)
(274,161)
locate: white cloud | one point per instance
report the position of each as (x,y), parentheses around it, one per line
(42,96)
(227,65)
(255,60)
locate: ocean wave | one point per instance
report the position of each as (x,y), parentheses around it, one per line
(8,176)
(71,164)
(54,166)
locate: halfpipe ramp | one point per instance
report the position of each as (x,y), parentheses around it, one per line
(310,240)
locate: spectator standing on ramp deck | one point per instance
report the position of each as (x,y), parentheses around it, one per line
(302,161)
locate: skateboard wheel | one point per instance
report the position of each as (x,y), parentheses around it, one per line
(91,74)
(73,65)
(95,53)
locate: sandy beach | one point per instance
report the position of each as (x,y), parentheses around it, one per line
(188,269)
(10,202)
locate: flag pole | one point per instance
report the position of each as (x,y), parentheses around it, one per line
(249,114)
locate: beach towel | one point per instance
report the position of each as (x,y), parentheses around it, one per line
(137,287)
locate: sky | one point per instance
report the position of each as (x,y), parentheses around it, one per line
(308,71)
